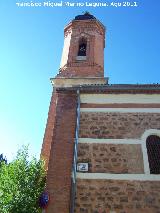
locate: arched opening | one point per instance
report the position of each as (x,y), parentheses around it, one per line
(82,50)
(153,150)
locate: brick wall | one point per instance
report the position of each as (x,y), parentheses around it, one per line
(61,152)
(85,70)
(47,140)
(117,125)
(93,66)
(117,196)
(109,158)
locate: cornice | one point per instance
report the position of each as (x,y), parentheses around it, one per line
(117,88)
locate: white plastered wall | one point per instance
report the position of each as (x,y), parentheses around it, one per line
(119,98)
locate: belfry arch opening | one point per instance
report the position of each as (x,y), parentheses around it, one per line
(153,151)
(82,48)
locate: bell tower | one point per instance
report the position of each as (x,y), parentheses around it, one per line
(83,51)
(82,64)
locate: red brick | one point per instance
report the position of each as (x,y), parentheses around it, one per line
(58,150)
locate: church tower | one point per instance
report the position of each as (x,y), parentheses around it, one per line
(82,63)
(102,142)
(83,51)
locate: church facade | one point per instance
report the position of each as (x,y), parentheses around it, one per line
(102,141)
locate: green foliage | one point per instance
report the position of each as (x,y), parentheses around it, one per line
(21,183)
(2,159)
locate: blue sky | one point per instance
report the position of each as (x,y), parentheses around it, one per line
(31,42)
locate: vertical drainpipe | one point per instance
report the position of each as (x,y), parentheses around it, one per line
(73,180)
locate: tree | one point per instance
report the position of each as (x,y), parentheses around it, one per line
(21,183)
(2,160)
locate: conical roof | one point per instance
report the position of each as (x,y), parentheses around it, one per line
(85,16)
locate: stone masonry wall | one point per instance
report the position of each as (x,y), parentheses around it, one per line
(117,196)
(110,158)
(117,125)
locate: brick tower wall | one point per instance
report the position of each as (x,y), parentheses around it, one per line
(47,140)
(58,150)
